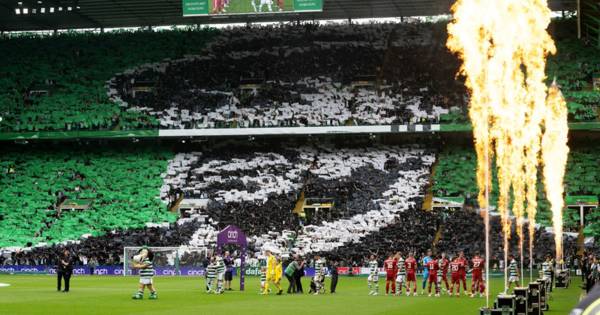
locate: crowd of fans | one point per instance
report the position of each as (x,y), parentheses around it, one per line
(51,195)
(455,177)
(253,76)
(106,249)
(376,191)
(305,75)
(257,191)
(57,82)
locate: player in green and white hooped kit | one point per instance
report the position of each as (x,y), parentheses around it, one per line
(373,278)
(220,274)
(547,270)
(211,275)
(146,271)
(319,277)
(513,272)
(262,263)
(401,275)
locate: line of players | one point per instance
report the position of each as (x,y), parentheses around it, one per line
(401,272)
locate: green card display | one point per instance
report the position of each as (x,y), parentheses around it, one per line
(234,7)
(308,5)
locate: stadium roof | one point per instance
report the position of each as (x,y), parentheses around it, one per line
(134,13)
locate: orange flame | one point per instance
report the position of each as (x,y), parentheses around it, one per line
(554,156)
(503,45)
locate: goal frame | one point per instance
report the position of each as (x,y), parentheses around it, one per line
(175,249)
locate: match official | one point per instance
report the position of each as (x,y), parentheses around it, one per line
(334,275)
(64,269)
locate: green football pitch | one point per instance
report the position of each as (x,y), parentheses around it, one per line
(28,294)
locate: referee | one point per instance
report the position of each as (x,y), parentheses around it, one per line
(228,260)
(64,270)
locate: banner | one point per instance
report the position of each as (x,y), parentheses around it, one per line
(172,271)
(255,271)
(23,270)
(234,7)
(103,270)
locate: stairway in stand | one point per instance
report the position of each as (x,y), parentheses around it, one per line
(428,199)
(176,204)
(438,236)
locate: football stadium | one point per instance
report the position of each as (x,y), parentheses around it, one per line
(305,156)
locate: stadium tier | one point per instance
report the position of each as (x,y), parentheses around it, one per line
(49,196)
(298,199)
(290,75)
(265,193)
(257,189)
(416,230)
(58,82)
(454,176)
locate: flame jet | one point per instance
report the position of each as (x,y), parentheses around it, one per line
(516,120)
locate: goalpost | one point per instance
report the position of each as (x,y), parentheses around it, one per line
(169,260)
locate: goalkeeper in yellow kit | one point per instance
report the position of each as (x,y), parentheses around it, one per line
(272,275)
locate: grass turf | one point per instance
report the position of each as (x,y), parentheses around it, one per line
(28,294)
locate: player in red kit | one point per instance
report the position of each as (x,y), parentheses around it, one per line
(432,266)
(281,5)
(455,276)
(391,268)
(443,265)
(477,275)
(218,6)
(410,265)
(463,265)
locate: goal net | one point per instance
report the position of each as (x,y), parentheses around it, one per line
(169,261)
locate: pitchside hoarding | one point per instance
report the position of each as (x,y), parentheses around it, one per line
(172,271)
(102,270)
(118,270)
(232,7)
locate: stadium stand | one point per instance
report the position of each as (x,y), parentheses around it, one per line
(414,230)
(454,176)
(58,82)
(574,67)
(106,249)
(377,193)
(277,76)
(268,181)
(96,201)
(258,191)
(286,75)
(50,196)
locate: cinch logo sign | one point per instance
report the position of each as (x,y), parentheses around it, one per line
(232,235)
(195,273)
